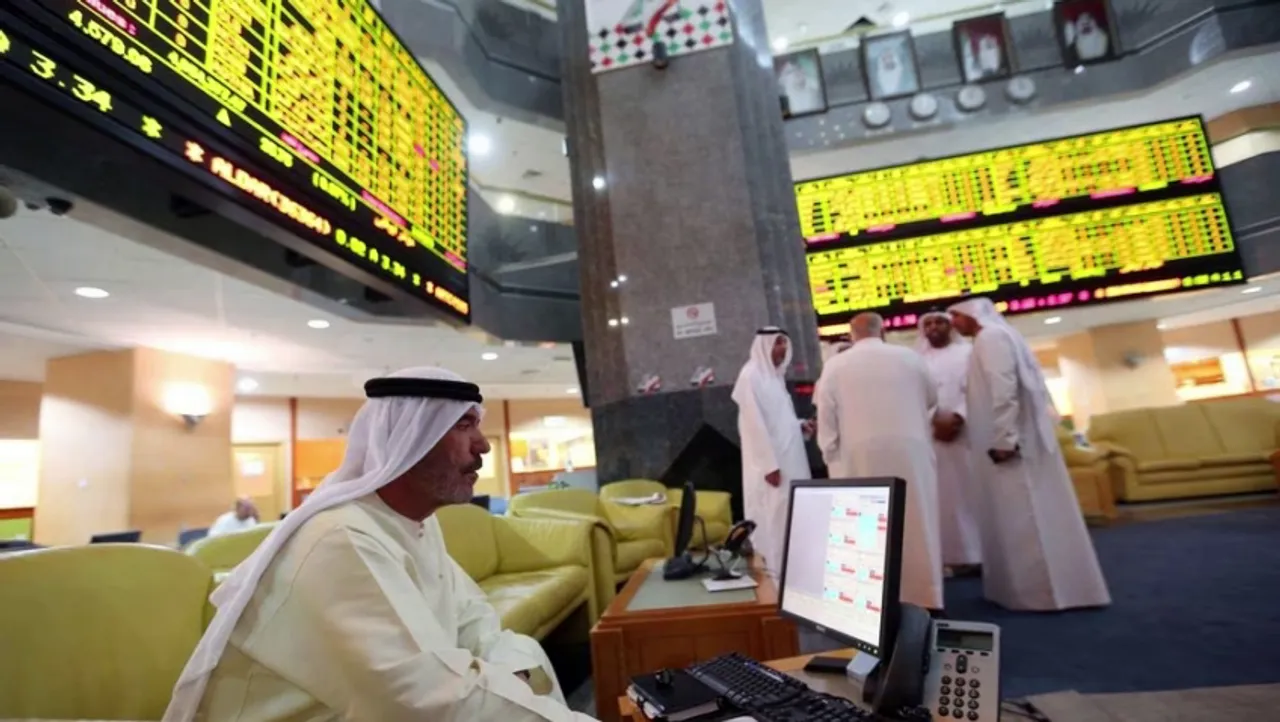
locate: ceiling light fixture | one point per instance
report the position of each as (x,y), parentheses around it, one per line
(598,183)
(91,292)
(901,19)
(780,45)
(1053,319)
(479,144)
(1252,289)
(1242,86)
(247,385)
(1079,69)
(318,323)
(572,390)
(489,356)
(506,205)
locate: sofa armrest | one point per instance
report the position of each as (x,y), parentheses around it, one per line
(531,544)
(1114,450)
(563,515)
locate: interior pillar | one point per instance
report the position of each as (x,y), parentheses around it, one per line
(682,196)
(117,454)
(1113,368)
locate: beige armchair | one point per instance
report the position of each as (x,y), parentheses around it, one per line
(1090,471)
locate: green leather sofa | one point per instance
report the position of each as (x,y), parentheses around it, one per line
(713,507)
(623,537)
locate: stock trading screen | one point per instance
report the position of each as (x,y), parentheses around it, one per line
(1106,216)
(311,112)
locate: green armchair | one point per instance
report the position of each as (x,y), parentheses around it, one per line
(535,572)
(224,552)
(624,536)
(713,507)
(99,631)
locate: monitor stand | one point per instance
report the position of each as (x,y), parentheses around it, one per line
(680,567)
(859,668)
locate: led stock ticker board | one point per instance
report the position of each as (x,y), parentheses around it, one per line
(1106,216)
(311,113)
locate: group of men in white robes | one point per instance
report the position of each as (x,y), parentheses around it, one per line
(968,426)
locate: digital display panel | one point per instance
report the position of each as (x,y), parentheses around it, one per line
(310,112)
(1107,216)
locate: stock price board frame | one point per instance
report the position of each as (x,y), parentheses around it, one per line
(60,63)
(825,253)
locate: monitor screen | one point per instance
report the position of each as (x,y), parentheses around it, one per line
(843,559)
(1106,216)
(313,115)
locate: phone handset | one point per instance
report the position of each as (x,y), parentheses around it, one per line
(949,669)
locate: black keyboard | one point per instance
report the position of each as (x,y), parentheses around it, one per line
(747,684)
(815,707)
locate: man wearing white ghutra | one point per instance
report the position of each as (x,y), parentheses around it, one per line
(352,609)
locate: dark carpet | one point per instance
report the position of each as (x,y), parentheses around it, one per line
(1195,603)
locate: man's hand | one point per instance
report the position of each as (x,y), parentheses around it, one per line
(947,426)
(773,478)
(808,427)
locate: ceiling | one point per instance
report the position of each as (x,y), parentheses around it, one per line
(164,302)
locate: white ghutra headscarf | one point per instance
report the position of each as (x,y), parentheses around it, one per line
(406,415)
(1034,388)
(760,365)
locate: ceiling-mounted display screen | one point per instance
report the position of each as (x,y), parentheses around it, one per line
(309,112)
(1092,218)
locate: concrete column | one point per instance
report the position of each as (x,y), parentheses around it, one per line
(682,196)
(116,454)
(1113,368)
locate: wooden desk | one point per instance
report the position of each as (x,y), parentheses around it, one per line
(1245,703)
(653,624)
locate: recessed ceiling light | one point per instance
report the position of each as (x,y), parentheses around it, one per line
(780,45)
(318,323)
(553,420)
(598,183)
(1242,86)
(1079,69)
(1252,289)
(247,385)
(479,144)
(506,204)
(901,19)
(1053,319)
(91,292)
(489,356)
(571,391)
(1161,326)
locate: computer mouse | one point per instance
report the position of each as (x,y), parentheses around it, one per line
(663,678)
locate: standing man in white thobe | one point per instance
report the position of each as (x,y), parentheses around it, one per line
(1036,552)
(352,609)
(772,440)
(946,354)
(875,402)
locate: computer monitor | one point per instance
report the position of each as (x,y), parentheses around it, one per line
(117,537)
(681,565)
(842,561)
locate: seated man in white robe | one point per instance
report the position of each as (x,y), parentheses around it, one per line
(1036,552)
(352,609)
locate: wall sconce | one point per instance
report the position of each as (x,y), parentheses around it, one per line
(189,401)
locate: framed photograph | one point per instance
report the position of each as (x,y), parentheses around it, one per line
(800,85)
(1085,32)
(983,48)
(889,64)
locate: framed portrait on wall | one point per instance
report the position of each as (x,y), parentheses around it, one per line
(889,64)
(800,85)
(1086,33)
(983,48)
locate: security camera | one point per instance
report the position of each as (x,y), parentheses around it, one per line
(660,57)
(8,203)
(59,206)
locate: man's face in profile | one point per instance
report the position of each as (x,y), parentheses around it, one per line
(966,325)
(448,473)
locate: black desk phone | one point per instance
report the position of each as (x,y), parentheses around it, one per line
(949,667)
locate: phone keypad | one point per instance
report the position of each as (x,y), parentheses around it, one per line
(959,696)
